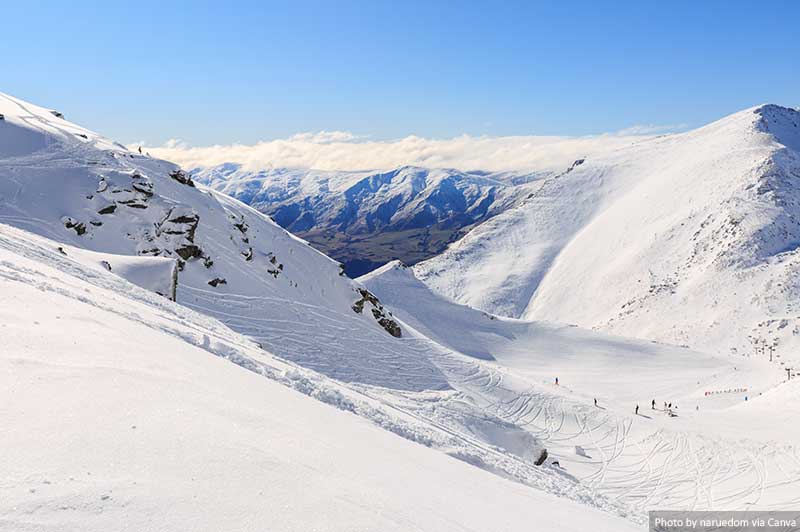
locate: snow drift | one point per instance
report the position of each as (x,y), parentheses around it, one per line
(157,274)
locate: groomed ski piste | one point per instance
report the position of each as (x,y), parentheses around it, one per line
(712,450)
(204,375)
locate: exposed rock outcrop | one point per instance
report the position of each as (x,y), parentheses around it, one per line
(381,315)
(72,223)
(181,177)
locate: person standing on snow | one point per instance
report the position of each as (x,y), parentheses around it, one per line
(653,405)
(637,410)
(556,381)
(595,401)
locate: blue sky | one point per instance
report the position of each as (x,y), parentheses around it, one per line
(223,72)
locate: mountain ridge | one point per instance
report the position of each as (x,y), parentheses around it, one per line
(72,185)
(367,218)
(703,209)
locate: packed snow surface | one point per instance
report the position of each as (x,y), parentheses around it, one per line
(717,437)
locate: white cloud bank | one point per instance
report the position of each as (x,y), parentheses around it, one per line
(341,150)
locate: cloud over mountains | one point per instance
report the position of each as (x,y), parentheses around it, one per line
(341,150)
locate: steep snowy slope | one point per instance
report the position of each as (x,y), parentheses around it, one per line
(124,411)
(365,219)
(64,182)
(690,239)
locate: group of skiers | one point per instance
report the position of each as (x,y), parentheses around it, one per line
(668,407)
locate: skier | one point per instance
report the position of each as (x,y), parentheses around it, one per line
(140,150)
(653,405)
(595,401)
(556,381)
(637,410)
(670,406)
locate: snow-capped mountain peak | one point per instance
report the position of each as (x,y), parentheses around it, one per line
(700,229)
(783,123)
(365,218)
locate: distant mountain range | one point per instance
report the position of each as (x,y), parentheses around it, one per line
(366,219)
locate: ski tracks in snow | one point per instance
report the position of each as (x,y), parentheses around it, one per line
(625,468)
(395,410)
(624,459)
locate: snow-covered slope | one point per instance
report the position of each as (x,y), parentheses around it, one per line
(124,411)
(72,185)
(112,206)
(473,386)
(584,359)
(710,441)
(690,239)
(365,219)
